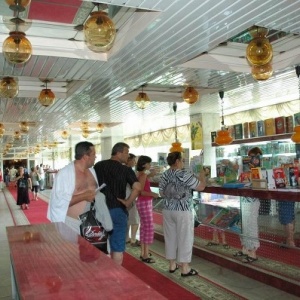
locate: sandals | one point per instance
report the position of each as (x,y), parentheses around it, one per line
(209,244)
(148,260)
(176,268)
(192,272)
(249,260)
(226,246)
(150,254)
(239,254)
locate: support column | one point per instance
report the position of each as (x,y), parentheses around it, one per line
(107,144)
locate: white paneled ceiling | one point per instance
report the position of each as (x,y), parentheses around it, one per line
(164,45)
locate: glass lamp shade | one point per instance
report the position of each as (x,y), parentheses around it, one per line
(9,87)
(99,127)
(142,100)
(46,97)
(85,133)
(2,130)
(16,48)
(64,134)
(259,51)
(296,135)
(176,147)
(17,135)
(24,127)
(84,126)
(190,95)
(18,5)
(262,72)
(223,137)
(99,31)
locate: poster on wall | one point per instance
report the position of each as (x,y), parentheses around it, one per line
(196,133)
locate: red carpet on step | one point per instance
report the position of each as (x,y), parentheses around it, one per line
(160,283)
(36,214)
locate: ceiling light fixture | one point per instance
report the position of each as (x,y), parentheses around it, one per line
(2,129)
(46,97)
(99,31)
(24,127)
(176,146)
(17,135)
(296,134)
(85,133)
(259,51)
(142,100)
(99,127)
(9,87)
(84,126)
(65,134)
(190,95)
(261,73)
(17,48)
(223,136)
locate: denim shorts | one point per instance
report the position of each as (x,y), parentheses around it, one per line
(286,212)
(117,239)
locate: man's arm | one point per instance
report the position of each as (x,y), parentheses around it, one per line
(135,191)
(88,195)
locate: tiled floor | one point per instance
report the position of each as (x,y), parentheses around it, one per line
(247,288)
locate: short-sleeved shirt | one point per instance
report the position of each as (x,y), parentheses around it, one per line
(116,176)
(187,181)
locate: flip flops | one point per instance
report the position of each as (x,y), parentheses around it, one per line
(176,268)
(209,244)
(239,254)
(249,260)
(148,260)
(192,272)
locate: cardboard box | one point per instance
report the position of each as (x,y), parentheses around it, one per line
(279,177)
(246,130)
(238,131)
(289,124)
(279,125)
(253,129)
(260,128)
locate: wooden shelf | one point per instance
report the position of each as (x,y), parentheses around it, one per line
(266,138)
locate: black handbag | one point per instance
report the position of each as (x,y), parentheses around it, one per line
(92,230)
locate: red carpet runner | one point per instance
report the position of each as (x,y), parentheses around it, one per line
(36,214)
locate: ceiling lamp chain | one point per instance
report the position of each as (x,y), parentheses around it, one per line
(259,54)
(99,31)
(142,100)
(9,87)
(46,97)
(223,136)
(190,95)
(296,134)
(176,147)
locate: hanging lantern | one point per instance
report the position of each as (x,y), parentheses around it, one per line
(84,126)
(223,136)
(176,146)
(64,134)
(257,31)
(99,31)
(46,97)
(17,135)
(142,100)
(99,127)
(85,133)
(9,87)
(259,52)
(2,129)
(24,127)
(262,72)
(190,95)
(16,48)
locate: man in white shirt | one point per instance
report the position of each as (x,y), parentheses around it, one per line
(74,186)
